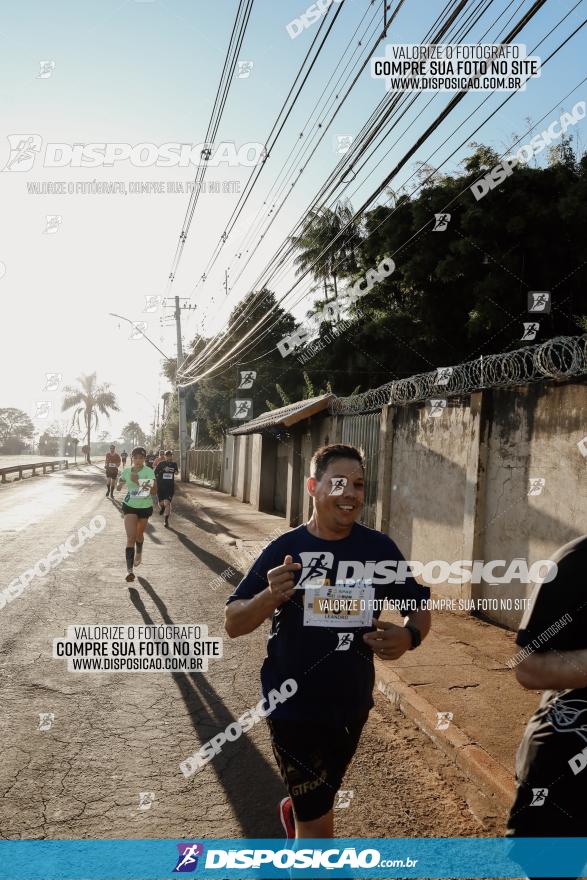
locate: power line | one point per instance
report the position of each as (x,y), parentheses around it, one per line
(287,246)
(269,145)
(359,148)
(294,158)
(452,15)
(536,6)
(227,75)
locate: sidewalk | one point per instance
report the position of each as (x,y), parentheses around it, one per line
(460,668)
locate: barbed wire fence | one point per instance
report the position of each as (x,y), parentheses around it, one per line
(558,358)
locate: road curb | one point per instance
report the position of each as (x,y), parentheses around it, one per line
(478,764)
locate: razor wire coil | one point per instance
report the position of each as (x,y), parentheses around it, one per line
(557,358)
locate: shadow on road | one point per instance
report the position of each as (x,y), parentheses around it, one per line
(79,475)
(190,512)
(150,531)
(251,784)
(214,562)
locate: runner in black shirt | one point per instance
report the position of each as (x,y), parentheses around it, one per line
(323,585)
(551,766)
(165,473)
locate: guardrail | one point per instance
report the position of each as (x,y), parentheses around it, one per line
(19,468)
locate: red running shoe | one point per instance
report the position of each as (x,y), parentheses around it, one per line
(286,817)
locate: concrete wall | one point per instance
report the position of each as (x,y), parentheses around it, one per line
(256,443)
(456,487)
(227,464)
(244,467)
(534,433)
(428,481)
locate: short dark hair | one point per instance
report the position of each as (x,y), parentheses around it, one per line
(323,456)
(169,452)
(138,450)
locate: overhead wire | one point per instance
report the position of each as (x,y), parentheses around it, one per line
(268,144)
(381,114)
(450,15)
(236,40)
(456,197)
(291,158)
(450,18)
(534,9)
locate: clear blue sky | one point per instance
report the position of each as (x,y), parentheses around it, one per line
(147,72)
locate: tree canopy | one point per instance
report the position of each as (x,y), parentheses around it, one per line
(456,292)
(16,428)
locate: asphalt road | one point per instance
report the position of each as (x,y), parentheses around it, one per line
(117,735)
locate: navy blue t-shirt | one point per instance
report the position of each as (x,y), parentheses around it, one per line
(317,635)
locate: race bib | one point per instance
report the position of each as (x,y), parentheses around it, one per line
(143,490)
(167,476)
(345,605)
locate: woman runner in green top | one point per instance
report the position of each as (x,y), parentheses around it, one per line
(137,506)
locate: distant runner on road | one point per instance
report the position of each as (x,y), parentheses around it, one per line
(323,585)
(160,458)
(124,456)
(111,466)
(165,473)
(137,506)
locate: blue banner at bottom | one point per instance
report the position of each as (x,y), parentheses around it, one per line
(350,857)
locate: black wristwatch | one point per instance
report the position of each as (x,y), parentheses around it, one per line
(415,634)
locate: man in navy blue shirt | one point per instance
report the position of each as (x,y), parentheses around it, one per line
(323,586)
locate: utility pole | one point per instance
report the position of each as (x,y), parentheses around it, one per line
(182,428)
(183,448)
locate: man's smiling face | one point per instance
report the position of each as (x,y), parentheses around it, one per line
(339,493)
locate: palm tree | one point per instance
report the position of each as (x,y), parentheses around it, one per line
(88,400)
(333,260)
(134,435)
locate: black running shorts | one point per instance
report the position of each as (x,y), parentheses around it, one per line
(165,491)
(312,760)
(141,512)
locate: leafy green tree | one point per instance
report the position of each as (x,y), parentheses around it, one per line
(463,292)
(49,441)
(454,294)
(16,429)
(88,402)
(134,435)
(318,231)
(212,396)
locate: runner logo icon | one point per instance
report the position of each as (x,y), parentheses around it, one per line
(344,797)
(188,857)
(23,151)
(539,796)
(146,798)
(315,567)
(344,641)
(46,719)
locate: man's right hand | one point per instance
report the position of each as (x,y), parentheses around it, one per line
(281,580)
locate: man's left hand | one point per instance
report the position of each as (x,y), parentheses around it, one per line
(389,641)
